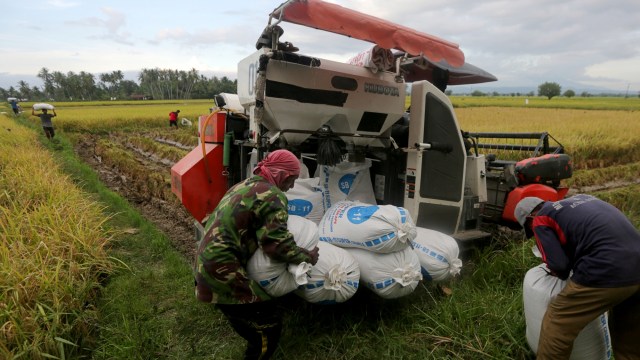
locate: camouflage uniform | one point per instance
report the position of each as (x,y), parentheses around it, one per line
(251,214)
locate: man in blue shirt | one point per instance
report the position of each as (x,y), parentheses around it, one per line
(593,244)
(14,106)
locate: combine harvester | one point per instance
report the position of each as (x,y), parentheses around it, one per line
(335,114)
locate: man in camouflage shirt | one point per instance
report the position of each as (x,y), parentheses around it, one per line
(251,215)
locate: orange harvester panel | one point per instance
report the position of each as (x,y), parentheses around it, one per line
(200,188)
(544,192)
(215,127)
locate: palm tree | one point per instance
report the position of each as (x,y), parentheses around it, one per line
(47,78)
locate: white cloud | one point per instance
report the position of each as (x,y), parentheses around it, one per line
(522,42)
(114,24)
(62,3)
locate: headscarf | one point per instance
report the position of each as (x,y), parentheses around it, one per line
(277,166)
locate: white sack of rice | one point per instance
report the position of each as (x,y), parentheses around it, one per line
(334,279)
(538,290)
(305,199)
(278,278)
(391,275)
(438,254)
(377,228)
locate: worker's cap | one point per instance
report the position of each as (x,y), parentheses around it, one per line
(524,208)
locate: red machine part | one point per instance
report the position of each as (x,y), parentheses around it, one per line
(544,192)
(199,179)
(214,126)
(549,167)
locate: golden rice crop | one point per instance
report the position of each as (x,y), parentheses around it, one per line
(96,118)
(147,182)
(593,138)
(155,148)
(52,252)
(559,102)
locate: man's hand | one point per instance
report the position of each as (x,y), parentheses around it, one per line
(314,255)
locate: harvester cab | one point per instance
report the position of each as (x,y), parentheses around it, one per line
(354,115)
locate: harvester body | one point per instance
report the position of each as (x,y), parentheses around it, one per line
(420,159)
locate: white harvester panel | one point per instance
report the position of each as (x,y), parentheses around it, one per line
(303,93)
(476,179)
(435,179)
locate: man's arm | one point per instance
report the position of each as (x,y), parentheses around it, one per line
(33,112)
(275,239)
(552,252)
(54,112)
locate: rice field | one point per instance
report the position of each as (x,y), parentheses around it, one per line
(56,246)
(53,252)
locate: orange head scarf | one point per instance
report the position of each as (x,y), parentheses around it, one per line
(277,166)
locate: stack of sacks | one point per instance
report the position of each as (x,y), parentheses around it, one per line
(333,279)
(378,237)
(438,254)
(305,199)
(278,278)
(539,288)
(346,181)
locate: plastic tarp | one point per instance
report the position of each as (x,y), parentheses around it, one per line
(337,19)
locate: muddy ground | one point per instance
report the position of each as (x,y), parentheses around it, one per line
(169,216)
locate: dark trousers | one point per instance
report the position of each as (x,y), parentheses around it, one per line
(48,130)
(259,323)
(576,306)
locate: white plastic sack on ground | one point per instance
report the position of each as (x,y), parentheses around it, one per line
(41,106)
(378,228)
(438,254)
(539,288)
(333,279)
(390,275)
(278,278)
(305,199)
(346,181)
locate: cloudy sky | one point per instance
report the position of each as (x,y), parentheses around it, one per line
(580,44)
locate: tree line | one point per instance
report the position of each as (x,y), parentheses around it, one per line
(160,84)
